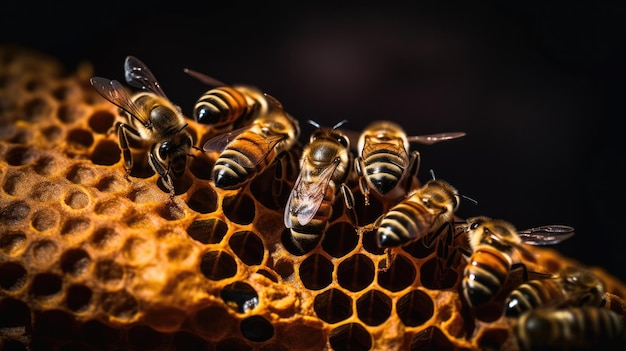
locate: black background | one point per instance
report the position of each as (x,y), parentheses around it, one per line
(537,86)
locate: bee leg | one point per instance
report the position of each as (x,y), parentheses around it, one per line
(163,173)
(414,166)
(359,168)
(122,129)
(521,266)
(454,252)
(348,198)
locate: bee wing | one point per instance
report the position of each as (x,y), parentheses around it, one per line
(307,194)
(204,78)
(546,235)
(113,91)
(430,139)
(138,75)
(218,143)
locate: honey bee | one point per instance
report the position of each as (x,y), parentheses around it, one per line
(246,151)
(419,213)
(574,286)
(225,107)
(384,161)
(324,167)
(492,243)
(152,119)
(586,327)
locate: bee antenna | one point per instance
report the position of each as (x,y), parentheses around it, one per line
(432,174)
(340,123)
(470,199)
(313,123)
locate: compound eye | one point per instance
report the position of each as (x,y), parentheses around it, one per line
(163,151)
(343,141)
(474,225)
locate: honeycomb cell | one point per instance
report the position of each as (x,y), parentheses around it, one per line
(104,237)
(75,262)
(316,272)
(45,285)
(76,227)
(52,133)
(415,308)
(256,328)
(369,243)
(248,247)
(78,298)
(145,195)
(232,344)
(373,307)
(109,272)
(101,122)
(48,165)
(239,208)
(218,265)
(45,192)
(434,274)
(201,166)
(70,113)
(170,211)
(350,337)
(65,92)
(417,249)
(240,296)
(492,339)
(14,213)
(36,109)
(100,334)
(142,337)
(112,207)
(138,250)
(333,306)
(399,275)
(44,251)
(12,242)
(214,322)
(119,304)
(13,276)
(339,239)
(81,174)
(203,200)
(356,272)
(79,139)
(14,314)
(16,183)
(431,338)
(106,153)
(207,231)
(21,137)
(77,199)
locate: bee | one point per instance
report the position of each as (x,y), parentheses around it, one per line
(492,243)
(152,119)
(384,161)
(324,167)
(422,210)
(226,107)
(246,151)
(585,327)
(574,286)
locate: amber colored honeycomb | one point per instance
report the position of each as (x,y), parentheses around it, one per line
(90,260)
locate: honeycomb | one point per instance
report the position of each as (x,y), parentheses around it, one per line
(90,260)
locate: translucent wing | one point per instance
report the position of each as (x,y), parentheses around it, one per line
(204,78)
(138,75)
(430,139)
(307,194)
(113,91)
(546,235)
(220,142)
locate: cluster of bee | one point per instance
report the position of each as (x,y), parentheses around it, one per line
(562,309)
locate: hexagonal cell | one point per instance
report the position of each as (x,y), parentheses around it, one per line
(13,276)
(16,183)
(106,153)
(36,109)
(79,139)
(340,239)
(350,336)
(101,121)
(434,274)
(45,191)
(109,272)
(369,243)
(399,275)
(415,308)
(78,298)
(11,242)
(77,199)
(119,304)
(239,208)
(356,272)
(248,247)
(14,314)
(45,219)
(55,324)
(45,285)
(218,265)
(316,272)
(332,306)
(431,338)
(49,165)
(207,231)
(256,328)
(373,307)
(14,212)
(44,251)
(240,296)
(203,200)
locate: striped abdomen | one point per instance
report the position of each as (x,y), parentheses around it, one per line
(533,294)
(304,236)
(407,221)
(485,274)
(383,169)
(242,160)
(220,106)
(575,327)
